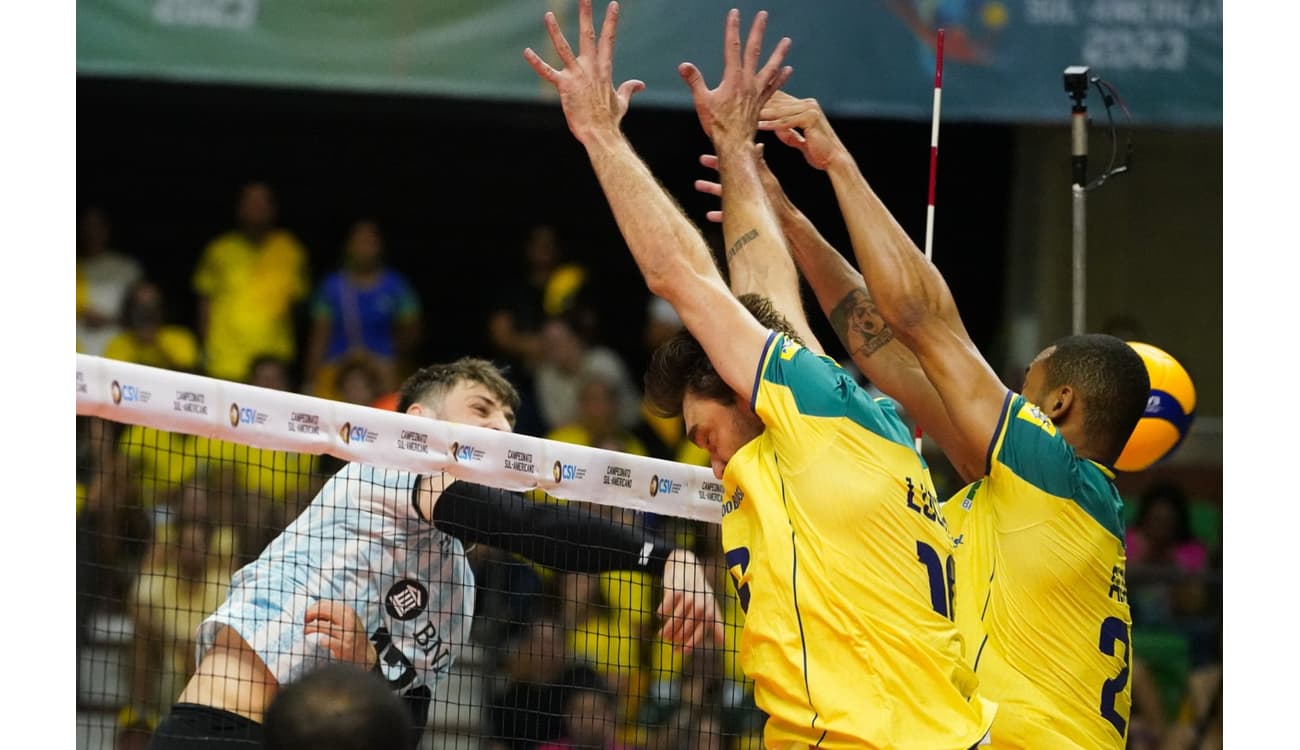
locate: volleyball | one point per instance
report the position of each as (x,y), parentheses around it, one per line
(1169,413)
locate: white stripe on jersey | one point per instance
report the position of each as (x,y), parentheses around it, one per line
(360,542)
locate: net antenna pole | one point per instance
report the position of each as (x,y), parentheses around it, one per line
(1076,85)
(934,165)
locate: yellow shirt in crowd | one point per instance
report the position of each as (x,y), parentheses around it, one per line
(251,290)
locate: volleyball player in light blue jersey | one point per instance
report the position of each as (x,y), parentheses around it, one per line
(374,572)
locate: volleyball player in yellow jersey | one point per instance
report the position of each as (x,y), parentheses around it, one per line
(830,525)
(1041,599)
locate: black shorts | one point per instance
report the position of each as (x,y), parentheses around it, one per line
(190,725)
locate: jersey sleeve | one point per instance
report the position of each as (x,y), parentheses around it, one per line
(803,399)
(1036,469)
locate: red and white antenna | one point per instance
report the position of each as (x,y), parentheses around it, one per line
(934,165)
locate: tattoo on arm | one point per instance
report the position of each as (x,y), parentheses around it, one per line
(859,325)
(745,239)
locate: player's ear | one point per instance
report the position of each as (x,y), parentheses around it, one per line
(1059,402)
(418,410)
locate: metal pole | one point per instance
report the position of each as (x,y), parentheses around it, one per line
(1076,83)
(1079,291)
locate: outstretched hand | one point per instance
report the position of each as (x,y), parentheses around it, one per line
(585,84)
(689,608)
(731,110)
(801,124)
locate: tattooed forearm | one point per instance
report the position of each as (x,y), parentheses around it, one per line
(859,325)
(745,239)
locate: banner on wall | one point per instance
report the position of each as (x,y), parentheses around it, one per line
(1003,58)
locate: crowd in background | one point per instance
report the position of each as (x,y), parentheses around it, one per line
(164,519)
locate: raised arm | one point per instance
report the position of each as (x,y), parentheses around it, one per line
(857,322)
(911,296)
(756,256)
(673,257)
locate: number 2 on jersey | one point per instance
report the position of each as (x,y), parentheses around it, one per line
(1113,630)
(941,585)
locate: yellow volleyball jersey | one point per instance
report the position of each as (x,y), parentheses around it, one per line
(1041,599)
(842,563)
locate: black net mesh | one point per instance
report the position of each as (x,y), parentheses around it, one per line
(273,565)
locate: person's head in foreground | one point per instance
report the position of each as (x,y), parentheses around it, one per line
(681,380)
(1094,387)
(337,707)
(468,391)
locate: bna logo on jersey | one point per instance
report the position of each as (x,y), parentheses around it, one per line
(406,599)
(567,472)
(350,433)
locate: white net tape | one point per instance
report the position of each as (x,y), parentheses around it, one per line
(263,418)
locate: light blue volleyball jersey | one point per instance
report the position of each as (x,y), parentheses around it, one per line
(360,542)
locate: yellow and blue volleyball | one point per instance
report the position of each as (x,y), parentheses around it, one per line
(1169,413)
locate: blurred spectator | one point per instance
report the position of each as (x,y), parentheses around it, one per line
(569,358)
(1162,534)
(529,710)
(590,714)
(364,308)
(358,380)
(184,578)
(337,707)
(270,371)
(545,286)
(1162,552)
(103,278)
(597,424)
(248,280)
(148,339)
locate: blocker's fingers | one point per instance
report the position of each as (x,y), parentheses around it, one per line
(778,81)
(709,160)
(586,29)
(608,33)
(561,44)
(791,138)
(694,80)
(714,216)
(540,66)
(628,88)
(711,188)
(731,41)
(754,44)
(774,61)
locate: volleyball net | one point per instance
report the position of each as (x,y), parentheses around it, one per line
(504,586)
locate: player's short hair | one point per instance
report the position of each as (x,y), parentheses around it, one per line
(429,385)
(680,364)
(1111,380)
(337,707)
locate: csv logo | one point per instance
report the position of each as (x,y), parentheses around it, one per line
(350,433)
(245,415)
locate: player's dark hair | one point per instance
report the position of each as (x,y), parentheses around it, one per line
(680,364)
(431,384)
(337,707)
(1111,381)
